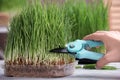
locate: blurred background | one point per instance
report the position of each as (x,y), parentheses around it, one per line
(9,8)
(115,15)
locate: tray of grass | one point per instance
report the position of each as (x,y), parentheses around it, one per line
(33,32)
(40,28)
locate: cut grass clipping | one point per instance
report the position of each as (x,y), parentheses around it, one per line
(92,66)
(39,28)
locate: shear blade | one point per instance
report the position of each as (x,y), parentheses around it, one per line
(59,50)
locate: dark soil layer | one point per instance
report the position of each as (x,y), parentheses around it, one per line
(39,70)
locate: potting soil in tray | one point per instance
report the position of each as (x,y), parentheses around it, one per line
(39,70)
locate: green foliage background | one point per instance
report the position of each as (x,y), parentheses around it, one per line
(6,5)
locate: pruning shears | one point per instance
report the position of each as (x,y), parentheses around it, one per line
(80,50)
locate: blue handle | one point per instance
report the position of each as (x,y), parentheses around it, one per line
(92,43)
(84,54)
(78,47)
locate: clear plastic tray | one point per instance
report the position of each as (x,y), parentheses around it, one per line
(39,71)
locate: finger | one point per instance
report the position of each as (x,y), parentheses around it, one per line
(102,62)
(105,60)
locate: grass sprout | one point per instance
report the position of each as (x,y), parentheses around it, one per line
(35,31)
(87,18)
(39,28)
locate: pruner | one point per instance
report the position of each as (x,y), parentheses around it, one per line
(80,49)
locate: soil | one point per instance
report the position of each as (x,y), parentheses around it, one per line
(39,70)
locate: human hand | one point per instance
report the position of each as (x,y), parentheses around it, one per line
(111,40)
